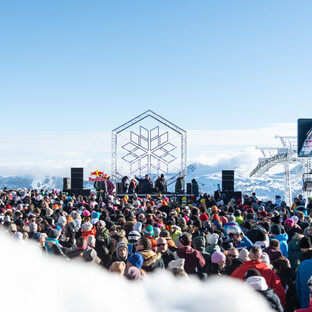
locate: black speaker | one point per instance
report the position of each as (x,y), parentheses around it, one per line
(189,188)
(66,184)
(228,180)
(76,176)
(119,188)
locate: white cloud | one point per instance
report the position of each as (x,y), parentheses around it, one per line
(55,154)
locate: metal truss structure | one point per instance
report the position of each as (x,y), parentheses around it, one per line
(149,149)
(272,156)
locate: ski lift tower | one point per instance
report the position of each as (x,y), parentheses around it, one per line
(273,156)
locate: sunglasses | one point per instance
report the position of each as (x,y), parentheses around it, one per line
(161,245)
(234,256)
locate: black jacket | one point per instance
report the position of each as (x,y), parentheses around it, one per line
(169,256)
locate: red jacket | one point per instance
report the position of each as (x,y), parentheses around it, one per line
(193,259)
(91,232)
(271,278)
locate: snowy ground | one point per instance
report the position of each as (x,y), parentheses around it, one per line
(32,282)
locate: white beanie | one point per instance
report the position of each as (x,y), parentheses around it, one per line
(176,264)
(138,227)
(213,239)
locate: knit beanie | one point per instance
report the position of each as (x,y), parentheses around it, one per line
(217,256)
(148,230)
(276,229)
(138,227)
(305,242)
(289,222)
(244,254)
(213,239)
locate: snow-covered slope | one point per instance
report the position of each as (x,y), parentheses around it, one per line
(208,178)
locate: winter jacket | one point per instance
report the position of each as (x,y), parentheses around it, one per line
(240,220)
(212,248)
(193,259)
(244,243)
(282,238)
(272,298)
(274,253)
(176,234)
(161,185)
(294,252)
(87,233)
(152,261)
(213,269)
(230,268)
(168,256)
(147,185)
(271,278)
(303,274)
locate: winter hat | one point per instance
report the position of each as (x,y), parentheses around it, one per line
(148,230)
(176,264)
(165,234)
(186,239)
(232,218)
(251,272)
(134,236)
(156,231)
(305,242)
(136,260)
(244,255)
(276,229)
(95,215)
(18,235)
(182,224)
(90,255)
(295,218)
(61,220)
(86,213)
(217,224)
(53,233)
(87,226)
(198,223)
(33,227)
(215,217)
(138,227)
(217,256)
(224,220)
(289,222)
(257,282)
(19,223)
(132,273)
(213,239)
(263,214)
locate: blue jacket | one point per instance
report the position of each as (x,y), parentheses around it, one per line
(282,238)
(304,272)
(244,243)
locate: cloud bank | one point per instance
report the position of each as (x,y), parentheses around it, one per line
(55,154)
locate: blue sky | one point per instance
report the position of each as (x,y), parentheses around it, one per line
(68,68)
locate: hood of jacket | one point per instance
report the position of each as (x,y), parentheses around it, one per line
(149,256)
(281,237)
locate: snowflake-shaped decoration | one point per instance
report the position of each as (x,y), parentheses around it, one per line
(150,150)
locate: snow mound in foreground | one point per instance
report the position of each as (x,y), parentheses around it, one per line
(34,282)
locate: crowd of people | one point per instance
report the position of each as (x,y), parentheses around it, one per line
(267,245)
